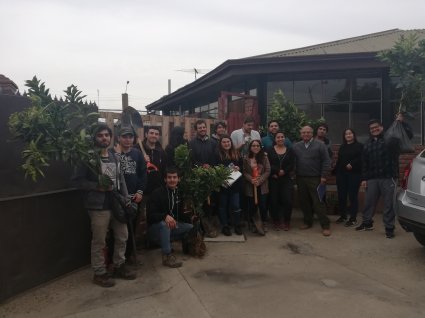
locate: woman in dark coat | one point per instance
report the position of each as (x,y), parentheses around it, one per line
(282,161)
(348,171)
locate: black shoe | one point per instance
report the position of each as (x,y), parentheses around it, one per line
(226,231)
(341,219)
(124,273)
(389,233)
(351,223)
(238,229)
(364,227)
(104,280)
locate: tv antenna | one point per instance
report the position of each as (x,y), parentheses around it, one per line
(195,71)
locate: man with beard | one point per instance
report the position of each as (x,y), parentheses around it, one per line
(203,148)
(242,137)
(98,203)
(155,160)
(273,128)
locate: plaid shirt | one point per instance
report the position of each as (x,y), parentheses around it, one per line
(380,159)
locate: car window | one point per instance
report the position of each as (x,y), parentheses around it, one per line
(423,154)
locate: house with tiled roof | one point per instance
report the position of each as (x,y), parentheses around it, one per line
(342,81)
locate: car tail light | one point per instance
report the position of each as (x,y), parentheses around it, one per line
(406,175)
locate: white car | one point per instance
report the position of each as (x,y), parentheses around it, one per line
(411,199)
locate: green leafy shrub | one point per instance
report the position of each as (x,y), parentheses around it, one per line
(197,183)
(54,129)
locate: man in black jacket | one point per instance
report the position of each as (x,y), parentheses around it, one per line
(97,202)
(165,216)
(203,148)
(379,175)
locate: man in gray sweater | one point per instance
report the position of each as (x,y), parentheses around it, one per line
(312,167)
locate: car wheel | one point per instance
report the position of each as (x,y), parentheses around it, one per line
(420,237)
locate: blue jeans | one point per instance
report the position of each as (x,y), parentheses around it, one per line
(160,233)
(229,200)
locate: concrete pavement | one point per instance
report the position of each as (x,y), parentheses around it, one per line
(284,274)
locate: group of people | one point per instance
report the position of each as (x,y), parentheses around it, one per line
(262,196)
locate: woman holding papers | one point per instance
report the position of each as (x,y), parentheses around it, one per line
(282,161)
(229,194)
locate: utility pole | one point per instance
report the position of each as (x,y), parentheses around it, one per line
(124,97)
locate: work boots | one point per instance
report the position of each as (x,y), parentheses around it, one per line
(171,261)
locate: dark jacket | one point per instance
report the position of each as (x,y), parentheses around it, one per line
(87,180)
(287,163)
(164,201)
(236,186)
(203,151)
(380,158)
(156,172)
(349,154)
(133,167)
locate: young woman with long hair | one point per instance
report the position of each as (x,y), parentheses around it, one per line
(229,196)
(256,170)
(348,171)
(282,161)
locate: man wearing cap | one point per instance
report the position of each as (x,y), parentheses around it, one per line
(133,167)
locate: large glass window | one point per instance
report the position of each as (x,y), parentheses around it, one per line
(307,92)
(286,87)
(349,101)
(336,90)
(312,111)
(367,89)
(337,118)
(361,113)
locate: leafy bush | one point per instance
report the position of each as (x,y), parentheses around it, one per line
(54,129)
(197,183)
(407,61)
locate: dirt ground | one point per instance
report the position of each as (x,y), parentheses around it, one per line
(284,274)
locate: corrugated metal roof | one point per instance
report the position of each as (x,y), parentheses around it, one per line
(373,42)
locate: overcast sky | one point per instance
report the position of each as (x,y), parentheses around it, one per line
(100,45)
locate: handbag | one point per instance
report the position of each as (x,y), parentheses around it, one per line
(123,208)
